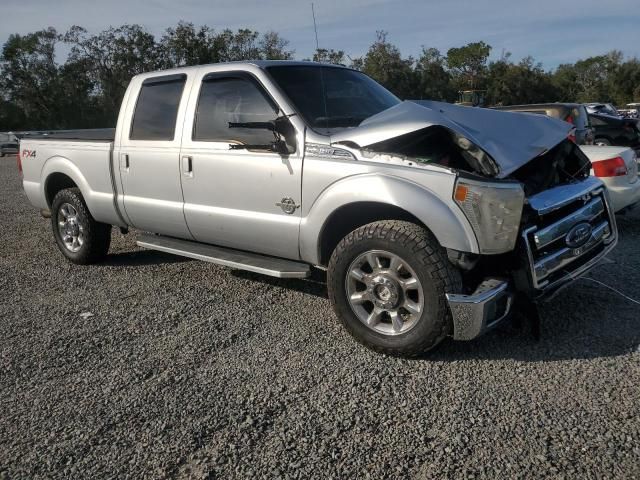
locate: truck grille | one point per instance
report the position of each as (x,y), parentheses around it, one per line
(569,233)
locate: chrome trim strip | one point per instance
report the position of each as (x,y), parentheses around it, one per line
(471,313)
(556,286)
(610,242)
(565,256)
(147,241)
(557,197)
(553,232)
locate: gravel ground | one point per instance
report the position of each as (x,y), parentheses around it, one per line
(153,366)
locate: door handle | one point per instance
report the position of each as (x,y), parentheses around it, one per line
(124,161)
(187,166)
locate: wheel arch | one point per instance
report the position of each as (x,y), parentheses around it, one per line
(355,201)
(54,183)
(354,215)
(59,173)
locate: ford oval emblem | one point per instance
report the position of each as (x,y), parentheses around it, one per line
(578,235)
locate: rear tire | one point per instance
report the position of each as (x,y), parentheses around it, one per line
(393,318)
(79,237)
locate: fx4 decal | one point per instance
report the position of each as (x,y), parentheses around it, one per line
(28,153)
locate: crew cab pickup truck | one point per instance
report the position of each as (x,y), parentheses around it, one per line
(432,220)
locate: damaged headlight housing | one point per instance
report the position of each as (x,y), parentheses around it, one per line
(494,211)
(476,157)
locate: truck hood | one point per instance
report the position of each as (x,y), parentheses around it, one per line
(511,139)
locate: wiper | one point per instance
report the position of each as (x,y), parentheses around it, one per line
(271,125)
(342,121)
(274,125)
(280,127)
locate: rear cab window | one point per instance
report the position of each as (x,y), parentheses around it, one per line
(156,109)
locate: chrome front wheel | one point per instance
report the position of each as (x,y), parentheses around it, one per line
(384,292)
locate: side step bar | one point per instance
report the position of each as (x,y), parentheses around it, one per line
(252,262)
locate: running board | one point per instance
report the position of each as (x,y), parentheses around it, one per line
(252,262)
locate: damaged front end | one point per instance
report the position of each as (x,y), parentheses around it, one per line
(524,188)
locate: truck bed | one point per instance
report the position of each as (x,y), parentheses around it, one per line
(86,135)
(81,158)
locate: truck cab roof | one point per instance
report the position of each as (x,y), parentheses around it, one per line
(262,64)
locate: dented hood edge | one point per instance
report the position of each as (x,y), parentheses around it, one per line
(511,139)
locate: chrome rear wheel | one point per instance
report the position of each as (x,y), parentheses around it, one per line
(70,227)
(80,238)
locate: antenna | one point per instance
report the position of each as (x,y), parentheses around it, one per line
(315,27)
(324,89)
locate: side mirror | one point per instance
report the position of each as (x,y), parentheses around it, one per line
(283,131)
(281,147)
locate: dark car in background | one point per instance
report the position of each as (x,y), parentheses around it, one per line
(573,113)
(621,132)
(10,148)
(602,109)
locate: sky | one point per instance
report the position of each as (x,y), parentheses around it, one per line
(552,31)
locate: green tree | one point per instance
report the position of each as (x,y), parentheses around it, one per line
(468,64)
(384,63)
(525,82)
(246,44)
(590,79)
(434,81)
(29,77)
(187,45)
(323,55)
(112,57)
(184,45)
(624,83)
(274,47)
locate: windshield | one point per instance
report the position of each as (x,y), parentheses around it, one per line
(332,97)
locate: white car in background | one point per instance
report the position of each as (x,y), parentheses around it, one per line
(617,167)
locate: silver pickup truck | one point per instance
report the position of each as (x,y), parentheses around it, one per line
(432,220)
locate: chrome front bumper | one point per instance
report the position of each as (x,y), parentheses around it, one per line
(487,306)
(554,265)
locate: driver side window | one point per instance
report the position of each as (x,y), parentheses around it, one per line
(232,99)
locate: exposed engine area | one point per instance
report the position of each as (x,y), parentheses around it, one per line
(438,145)
(564,163)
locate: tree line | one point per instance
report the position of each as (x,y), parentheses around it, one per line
(84,91)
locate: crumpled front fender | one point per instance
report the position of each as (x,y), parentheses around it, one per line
(443,219)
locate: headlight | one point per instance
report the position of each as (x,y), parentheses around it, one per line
(494,211)
(477,157)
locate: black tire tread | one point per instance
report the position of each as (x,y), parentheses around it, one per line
(433,259)
(97,235)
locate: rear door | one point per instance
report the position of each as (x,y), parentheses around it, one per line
(247,199)
(149,156)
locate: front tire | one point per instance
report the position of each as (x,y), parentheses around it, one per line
(79,237)
(387,281)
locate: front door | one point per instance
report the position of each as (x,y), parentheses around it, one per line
(149,157)
(247,199)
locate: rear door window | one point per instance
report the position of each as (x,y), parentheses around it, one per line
(157,108)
